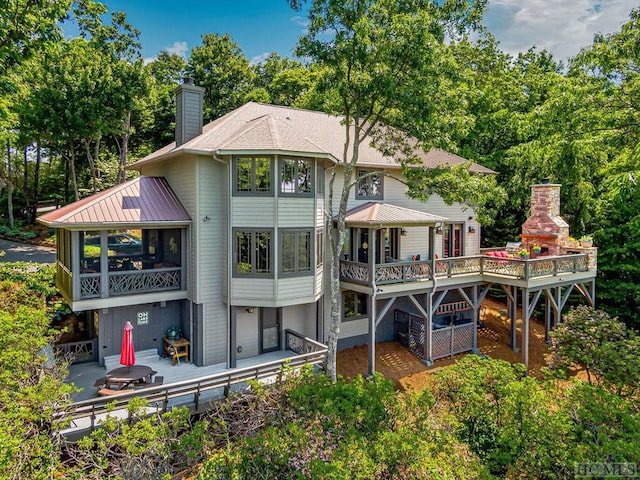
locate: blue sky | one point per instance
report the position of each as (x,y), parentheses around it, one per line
(263,26)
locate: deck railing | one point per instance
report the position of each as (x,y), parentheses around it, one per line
(196,393)
(132,282)
(400,272)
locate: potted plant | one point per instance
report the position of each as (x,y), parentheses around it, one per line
(523,253)
(586,241)
(536,248)
(571,242)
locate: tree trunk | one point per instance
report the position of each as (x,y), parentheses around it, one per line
(72,172)
(92,165)
(26,184)
(36,181)
(9,185)
(336,239)
(124,149)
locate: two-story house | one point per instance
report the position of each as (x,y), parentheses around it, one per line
(223,236)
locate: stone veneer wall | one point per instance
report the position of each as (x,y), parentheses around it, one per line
(592,255)
(545,226)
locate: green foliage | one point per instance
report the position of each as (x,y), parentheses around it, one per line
(602,345)
(220,66)
(359,429)
(30,390)
(361,404)
(146,446)
(605,426)
(504,417)
(37,278)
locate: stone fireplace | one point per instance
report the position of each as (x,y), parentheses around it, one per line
(545,227)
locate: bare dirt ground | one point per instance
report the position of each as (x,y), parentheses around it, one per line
(397,363)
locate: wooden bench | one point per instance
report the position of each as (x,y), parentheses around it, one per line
(107,392)
(100,382)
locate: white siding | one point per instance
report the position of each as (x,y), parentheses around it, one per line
(395,193)
(247,332)
(253,211)
(415,242)
(300,318)
(181,176)
(201,185)
(293,287)
(319,281)
(212,246)
(353,328)
(296,212)
(252,289)
(320,220)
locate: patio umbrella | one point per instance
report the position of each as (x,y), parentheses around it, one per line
(127,352)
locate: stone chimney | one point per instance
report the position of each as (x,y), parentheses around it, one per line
(545,226)
(188,111)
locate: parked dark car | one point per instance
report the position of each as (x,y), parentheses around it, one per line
(121,243)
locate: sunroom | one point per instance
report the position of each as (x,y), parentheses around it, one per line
(127,241)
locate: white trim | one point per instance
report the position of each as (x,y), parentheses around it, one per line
(125,300)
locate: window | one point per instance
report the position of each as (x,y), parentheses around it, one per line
(252,176)
(296,176)
(253,252)
(369,185)
(319,248)
(297,252)
(354,305)
(320,179)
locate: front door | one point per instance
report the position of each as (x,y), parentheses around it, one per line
(269,329)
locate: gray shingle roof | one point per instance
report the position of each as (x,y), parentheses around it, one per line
(256,127)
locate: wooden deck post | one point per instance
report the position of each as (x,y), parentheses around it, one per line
(372,301)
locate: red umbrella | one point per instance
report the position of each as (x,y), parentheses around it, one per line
(127,352)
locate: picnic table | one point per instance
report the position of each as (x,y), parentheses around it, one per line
(121,379)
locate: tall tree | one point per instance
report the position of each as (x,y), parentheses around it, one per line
(119,43)
(25,25)
(387,65)
(220,66)
(611,127)
(156,122)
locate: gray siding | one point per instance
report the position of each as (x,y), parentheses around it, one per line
(145,337)
(212,243)
(188,113)
(181,177)
(252,289)
(253,212)
(300,318)
(247,336)
(296,212)
(395,193)
(293,287)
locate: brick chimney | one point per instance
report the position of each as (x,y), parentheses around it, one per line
(188,111)
(545,226)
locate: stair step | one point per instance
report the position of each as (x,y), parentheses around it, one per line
(113,361)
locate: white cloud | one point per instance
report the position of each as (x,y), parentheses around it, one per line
(178,48)
(562,27)
(259,58)
(301,21)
